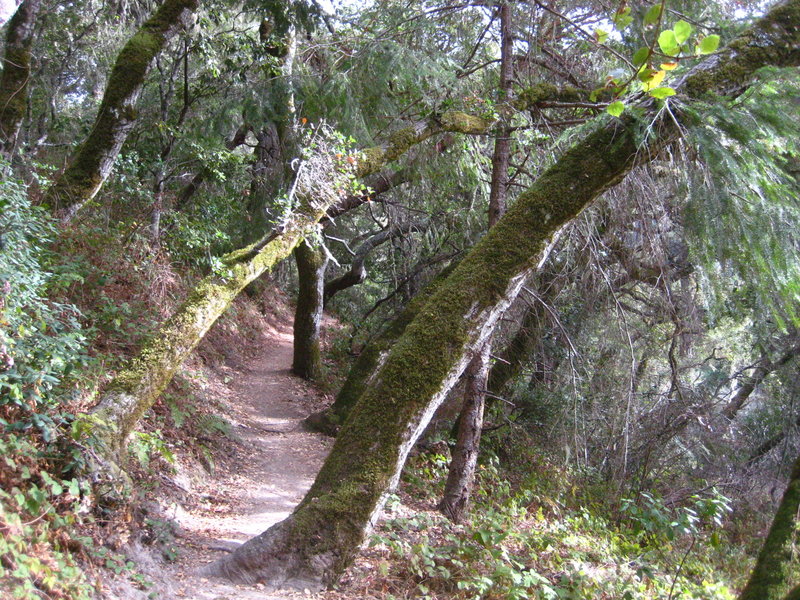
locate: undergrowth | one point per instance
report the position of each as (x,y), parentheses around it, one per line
(541,540)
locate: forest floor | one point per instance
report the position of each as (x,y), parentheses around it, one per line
(269,466)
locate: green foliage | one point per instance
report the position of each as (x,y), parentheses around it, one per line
(38,512)
(146,445)
(41,341)
(650,516)
(510,549)
(741,217)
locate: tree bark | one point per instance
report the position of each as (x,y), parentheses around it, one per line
(16,74)
(461,476)
(196,182)
(92,162)
(502,143)
(357,272)
(368,363)
(769,578)
(321,537)
(313,294)
(763,368)
(311,263)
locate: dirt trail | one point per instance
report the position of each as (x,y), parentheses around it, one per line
(274,466)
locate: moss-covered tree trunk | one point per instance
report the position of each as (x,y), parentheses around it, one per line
(369,362)
(461,476)
(311,262)
(135,389)
(16,74)
(91,164)
(769,579)
(320,538)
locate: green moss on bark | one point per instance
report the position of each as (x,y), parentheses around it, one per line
(769,579)
(16,73)
(369,361)
(372,444)
(773,40)
(92,162)
(311,263)
(375,158)
(137,387)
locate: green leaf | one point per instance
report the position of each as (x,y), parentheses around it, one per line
(682,31)
(668,43)
(652,15)
(74,488)
(615,108)
(708,44)
(600,35)
(622,18)
(641,56)
(662,92)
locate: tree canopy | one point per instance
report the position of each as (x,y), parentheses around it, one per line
(567,228)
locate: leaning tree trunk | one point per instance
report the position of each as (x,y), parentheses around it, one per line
(769,578)
(369,362)
(311,262)
(312,547)
(16,75)
(92,163)
(138,386)
(763,368)
(461,476)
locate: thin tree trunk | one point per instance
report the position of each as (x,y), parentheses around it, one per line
(91,165)
(268,180)
(461,476)
(196,182)
(320,538)
(502,143)
(773,442)
(769,578)
(358,272)
(311,263)
(16,75)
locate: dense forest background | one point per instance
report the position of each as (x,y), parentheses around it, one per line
(556,247)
